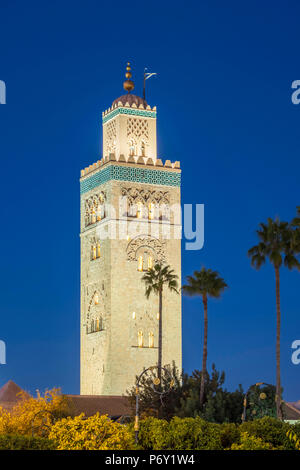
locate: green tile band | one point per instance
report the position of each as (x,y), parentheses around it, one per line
(134,112)
(123,173)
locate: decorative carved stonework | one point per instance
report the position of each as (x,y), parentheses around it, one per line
(146,241)
(145,196)
(94,208)
(137,128)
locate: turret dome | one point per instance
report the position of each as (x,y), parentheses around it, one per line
(131,99)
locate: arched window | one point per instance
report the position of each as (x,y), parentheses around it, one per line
(139,212)
(131,148)
(99,213)
(96,299)
(151,339)
(140,339)
(93,216)
(143,149)
(150,262)
(140,263)
(95,250)
(151,211)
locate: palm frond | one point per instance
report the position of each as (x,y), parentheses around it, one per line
(277,242)
(205,282)
(159,276)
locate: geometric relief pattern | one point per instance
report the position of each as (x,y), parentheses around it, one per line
(137,128)
(146,241)
(137,135)
(124,173)
(132,112)
(111,136)
(145,196)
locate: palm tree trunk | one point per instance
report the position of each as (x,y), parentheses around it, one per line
(204,358)
(278,322)
(159,363)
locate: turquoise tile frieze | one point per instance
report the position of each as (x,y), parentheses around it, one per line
(123,173)
(131,111)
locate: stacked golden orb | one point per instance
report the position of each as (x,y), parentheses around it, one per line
(128,85)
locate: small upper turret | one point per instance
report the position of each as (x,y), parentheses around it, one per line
(129,134)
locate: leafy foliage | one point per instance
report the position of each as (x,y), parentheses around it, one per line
(219,405)
(93,433)
(20,442)
(270,430)
(179,434)
(261,402)
(183,399)
(248,442)
(154,434)
(194,434)
(150,402)
(31,415)
(275,244)
(198,434)
(205,282)
(293,438)
(158,277)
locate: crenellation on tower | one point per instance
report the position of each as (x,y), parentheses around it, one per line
(130,159)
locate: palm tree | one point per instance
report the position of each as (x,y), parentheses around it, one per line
(155,280)
(296,220)
(295,226)
(206,283)
(275,244)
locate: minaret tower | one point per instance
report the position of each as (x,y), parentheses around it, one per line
(130,203)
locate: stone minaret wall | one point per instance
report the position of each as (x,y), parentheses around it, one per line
(114,309)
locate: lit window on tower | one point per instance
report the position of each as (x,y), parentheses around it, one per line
(151,211)
(98,250)
(131,148)
(140,339)
(139,212)
(140,263)
(150,262)
(151,339)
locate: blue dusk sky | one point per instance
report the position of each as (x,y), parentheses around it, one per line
(223,94)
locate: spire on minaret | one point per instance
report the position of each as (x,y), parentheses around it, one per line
(128,85)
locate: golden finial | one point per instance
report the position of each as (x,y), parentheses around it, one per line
(128,85)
